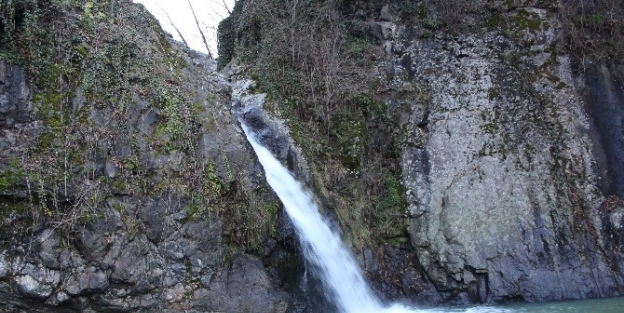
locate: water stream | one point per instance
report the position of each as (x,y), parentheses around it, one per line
(321,246)
(340,273)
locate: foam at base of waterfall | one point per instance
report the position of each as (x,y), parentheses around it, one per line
(399,308)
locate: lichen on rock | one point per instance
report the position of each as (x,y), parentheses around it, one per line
(124,173)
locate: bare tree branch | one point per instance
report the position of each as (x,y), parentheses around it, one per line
(174,26)
(200,29)
(216,2)
(223,4)
(226,7)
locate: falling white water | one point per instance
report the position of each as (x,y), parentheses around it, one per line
(341,274)
(339,270)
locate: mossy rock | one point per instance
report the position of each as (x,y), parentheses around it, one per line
(350,136)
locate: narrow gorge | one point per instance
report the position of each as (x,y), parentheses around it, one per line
(464,152)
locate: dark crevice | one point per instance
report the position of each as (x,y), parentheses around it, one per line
(606,107)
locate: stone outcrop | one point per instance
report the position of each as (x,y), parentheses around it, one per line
(508,159)
(140,252)
(145,202)
(245,278)
(270,130)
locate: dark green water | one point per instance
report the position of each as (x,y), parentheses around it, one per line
(608,305)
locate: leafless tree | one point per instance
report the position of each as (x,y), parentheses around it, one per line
(199,28)
(174,26)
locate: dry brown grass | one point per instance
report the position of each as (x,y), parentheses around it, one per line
(594,31)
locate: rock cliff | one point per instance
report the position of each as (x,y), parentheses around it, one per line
(126,183)
(510,164)
(473,165)
(505,126)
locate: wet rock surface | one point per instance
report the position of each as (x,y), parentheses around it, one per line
(604,93)
(399,276)
(270,131)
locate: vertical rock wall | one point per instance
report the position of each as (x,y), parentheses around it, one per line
(507,158)
(135,250)
(151,201)
(126,183)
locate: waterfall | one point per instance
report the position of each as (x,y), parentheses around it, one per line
(322,247)
(339,272)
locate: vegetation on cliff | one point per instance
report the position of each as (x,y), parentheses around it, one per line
(122,115)
(315,60)
(125,182)
(113,115)
(354,80)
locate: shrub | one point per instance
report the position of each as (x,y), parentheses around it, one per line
(593,29)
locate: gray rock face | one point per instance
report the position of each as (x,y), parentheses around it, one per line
(16,110)
(512,167)
(15,95)
(398,274)
(134,249)
(36,282)
(49,249)
(245,278)
(505,170)
(604,98)
(91,280)
(4,266)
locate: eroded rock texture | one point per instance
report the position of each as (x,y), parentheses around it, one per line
(135,251)
(130,188)
(508,159)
